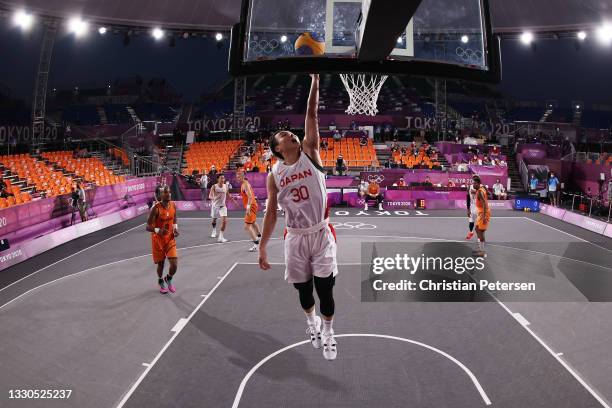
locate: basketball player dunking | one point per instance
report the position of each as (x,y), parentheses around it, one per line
(297,182)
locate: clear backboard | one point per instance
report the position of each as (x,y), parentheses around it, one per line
(444,38)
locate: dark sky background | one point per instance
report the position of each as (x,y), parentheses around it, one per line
(556,70)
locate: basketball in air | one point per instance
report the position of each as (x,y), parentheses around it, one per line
(310,43)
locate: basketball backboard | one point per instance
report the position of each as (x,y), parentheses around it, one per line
(442,38)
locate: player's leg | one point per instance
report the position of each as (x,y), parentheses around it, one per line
(298,272)
(222,229)
(173,260)
(307,302)
(324,268)
(471,221)
(379,201)
(325,292)
(160,279)
(214,214)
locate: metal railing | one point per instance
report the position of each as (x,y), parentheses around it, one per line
(594,207)
(524,172)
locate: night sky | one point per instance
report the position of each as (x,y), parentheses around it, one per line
(556,70)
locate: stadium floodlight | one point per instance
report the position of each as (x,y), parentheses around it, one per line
(604,34)
(218,36)
(283,38)
(582,35)
(400,40)
(526,38)
(157,33)
(77,26)
(465,39)
(102,30)
(23,20)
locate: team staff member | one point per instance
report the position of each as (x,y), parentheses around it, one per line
(164,229)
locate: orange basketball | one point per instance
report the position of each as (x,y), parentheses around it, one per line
(310,43)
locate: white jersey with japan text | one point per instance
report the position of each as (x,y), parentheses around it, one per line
(301,192)
(218,195)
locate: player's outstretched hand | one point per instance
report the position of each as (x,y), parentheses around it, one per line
(314,76)
(263,259)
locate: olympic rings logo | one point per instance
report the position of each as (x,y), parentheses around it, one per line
(263,46)
(469,55)
(352,225)
(376,178)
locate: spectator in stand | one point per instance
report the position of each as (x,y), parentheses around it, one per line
(269,166)
(450,183)
(427,182)
(4,193)
(401,182)
(486,161)
(499,192)
(324,144)
(363,141)
(341,165)
(553,183)
(248,166)
(255,168)
(495,150)
(337,136)
(502,163)
(395,146)
(403,150)
(213,171)
(533,183)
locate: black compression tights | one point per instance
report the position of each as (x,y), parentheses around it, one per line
(325,291)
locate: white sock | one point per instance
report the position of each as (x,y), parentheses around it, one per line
(311,317)
(220,234)
(481,245)
(327,325)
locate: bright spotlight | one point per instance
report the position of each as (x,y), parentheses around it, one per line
(582,35)
(604,34)
(400,40)
(77,26)
(157,33)
(465,39)
(102,30)
(23,20)
(283,38)
(218,36)
(526,38)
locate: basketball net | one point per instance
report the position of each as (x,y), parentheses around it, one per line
(363,92)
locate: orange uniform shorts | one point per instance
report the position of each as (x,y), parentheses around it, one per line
(251,216)
(163,248)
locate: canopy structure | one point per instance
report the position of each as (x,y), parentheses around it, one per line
(508,16)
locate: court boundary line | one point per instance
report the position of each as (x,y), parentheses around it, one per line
(274,239)
(469,372)
(148,368)
(571,235)
(71,255)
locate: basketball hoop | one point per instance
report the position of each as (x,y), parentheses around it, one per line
(363,92)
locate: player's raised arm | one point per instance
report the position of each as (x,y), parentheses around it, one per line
(269,222)
(310,145)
